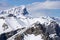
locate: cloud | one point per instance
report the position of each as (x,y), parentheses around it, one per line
(53,0)
(44,5)
(35,8)
(4,5)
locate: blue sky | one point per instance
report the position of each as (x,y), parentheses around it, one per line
(21,2)
(39,7)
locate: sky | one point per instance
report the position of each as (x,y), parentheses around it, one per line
(20,2)
(35,7)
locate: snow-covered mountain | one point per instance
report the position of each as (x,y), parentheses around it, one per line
(17,19)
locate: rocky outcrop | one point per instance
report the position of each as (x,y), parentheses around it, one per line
(36,30)
(51,32)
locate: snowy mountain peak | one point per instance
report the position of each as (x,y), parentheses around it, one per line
(20,10)
(18,21)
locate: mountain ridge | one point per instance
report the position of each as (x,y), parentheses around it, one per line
(18,18)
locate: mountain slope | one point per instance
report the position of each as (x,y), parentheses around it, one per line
(16,19)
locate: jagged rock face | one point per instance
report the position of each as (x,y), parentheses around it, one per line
(53,27)
(36,30)
(25,12)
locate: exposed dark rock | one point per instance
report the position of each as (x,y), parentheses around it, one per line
(25,12)
(37,29)
(10,15)
(3,36)
(2,18)
(19,37)
(5,26)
